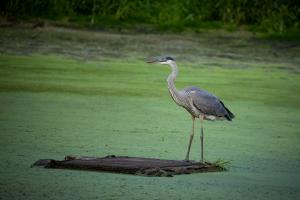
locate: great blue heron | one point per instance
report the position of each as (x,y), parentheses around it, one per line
(199,103)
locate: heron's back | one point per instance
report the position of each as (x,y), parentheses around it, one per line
(206,103)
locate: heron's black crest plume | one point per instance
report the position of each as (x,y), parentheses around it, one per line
(169,58)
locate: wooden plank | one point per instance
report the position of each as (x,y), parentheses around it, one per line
(130,165)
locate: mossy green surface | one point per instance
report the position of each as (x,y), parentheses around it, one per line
(51,106)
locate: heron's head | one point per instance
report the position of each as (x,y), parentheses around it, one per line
(161,60)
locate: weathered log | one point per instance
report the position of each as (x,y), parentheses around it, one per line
(130,165)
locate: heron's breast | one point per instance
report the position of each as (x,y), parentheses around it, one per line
(179,101)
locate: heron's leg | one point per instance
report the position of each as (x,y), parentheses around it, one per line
(191,140)
(201,139)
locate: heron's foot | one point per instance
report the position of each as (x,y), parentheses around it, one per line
(186,160)
(202,162)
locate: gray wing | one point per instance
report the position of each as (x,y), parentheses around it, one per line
(208,103)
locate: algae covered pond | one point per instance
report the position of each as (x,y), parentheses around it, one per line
(76,101)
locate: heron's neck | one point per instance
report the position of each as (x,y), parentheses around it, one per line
(172,88)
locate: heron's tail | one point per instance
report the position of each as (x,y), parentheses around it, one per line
(229,115)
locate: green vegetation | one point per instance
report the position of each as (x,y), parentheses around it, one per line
(52,106)
(90,93)
(275,17)
(135,78)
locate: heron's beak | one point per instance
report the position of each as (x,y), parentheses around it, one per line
(154,60)
(151,61)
